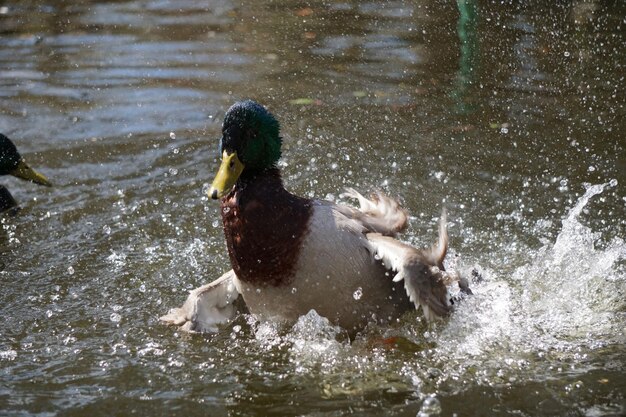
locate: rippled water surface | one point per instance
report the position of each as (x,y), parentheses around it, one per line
(511,116)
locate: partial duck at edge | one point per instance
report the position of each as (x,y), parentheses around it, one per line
(12,163)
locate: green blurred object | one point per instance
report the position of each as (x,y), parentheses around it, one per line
(469,60)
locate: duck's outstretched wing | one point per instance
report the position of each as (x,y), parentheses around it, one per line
(207,306)
(379,214)
(425,280)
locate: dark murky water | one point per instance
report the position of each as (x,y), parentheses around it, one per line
(505,114)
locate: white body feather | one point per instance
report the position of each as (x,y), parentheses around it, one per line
(336,275)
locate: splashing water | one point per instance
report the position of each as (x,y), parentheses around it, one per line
(569,296)
(576,291)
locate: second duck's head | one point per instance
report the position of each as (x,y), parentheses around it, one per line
(12,163)
(250,144)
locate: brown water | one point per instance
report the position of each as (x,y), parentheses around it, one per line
(503,113)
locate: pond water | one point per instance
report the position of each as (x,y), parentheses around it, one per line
(511,116)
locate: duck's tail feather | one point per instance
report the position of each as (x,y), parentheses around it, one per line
(379,213)
(437,252)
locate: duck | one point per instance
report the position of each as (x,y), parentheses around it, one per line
(290,255)
(12,163)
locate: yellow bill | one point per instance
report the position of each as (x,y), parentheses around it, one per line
(227,175)
(25,172)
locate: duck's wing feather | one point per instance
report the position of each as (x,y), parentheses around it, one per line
(425,280)
(379,214)
(208,306)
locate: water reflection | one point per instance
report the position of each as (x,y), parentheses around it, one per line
(505,110)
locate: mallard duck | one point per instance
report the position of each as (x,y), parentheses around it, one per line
(290,255)
(12,163)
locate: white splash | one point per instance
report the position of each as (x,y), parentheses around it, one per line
(314,341)
(8,354)
(569,295)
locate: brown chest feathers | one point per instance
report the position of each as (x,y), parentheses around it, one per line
(264,227)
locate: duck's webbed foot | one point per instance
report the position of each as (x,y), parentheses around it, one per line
(207,307)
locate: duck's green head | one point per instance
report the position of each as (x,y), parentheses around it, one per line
(12,163)
(250,143)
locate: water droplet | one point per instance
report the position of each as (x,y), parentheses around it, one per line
(172,135)
(70,270)
(613,182)
(116,317)
(358,293)
(8,354)
(566,53)
(430,407)
(106,229)
(215,223)
(591,168)
(142,288)
(294,290)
